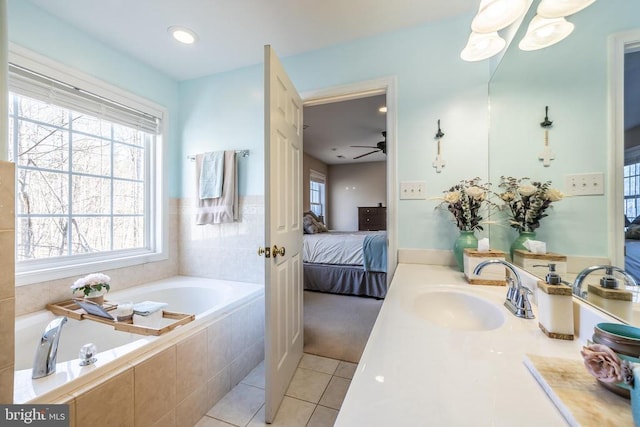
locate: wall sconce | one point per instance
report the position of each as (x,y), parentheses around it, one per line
(482,46)
(561,8)
(544,32)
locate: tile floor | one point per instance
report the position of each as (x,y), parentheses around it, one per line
(313,398)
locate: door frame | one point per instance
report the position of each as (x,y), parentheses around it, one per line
(619,44)
(382,86)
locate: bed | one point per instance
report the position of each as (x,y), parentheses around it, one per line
(352,263)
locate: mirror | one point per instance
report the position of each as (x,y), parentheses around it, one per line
(572,78)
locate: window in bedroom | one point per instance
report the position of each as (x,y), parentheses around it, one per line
(86,183)
(632,190)
(317,196)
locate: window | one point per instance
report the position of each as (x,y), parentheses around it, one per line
(632,191)
(317,196)
(87,194)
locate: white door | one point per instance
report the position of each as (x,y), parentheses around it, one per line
(283,231)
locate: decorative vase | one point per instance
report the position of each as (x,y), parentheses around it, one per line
(96,297)
(467,239)
(519,242)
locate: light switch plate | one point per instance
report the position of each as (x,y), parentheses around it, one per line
(584,184)
(413,190)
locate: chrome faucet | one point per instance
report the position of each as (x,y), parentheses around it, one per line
(607,281)
(45,361)
(517,295)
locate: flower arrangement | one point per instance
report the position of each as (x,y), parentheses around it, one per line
(605,365)
(464,201)
(527,201)
(92,283)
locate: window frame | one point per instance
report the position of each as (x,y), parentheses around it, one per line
(35,271)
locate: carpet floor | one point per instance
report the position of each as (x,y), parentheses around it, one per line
(338,326)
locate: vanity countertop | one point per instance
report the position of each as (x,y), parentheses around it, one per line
(416,373)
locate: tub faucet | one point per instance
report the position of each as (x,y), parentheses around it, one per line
(45,361)
(607,281)
(517,295)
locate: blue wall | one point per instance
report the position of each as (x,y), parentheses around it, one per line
(225,111)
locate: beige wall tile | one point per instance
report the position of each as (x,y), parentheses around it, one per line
(30,298)
(110,404)
(192,365)
(7,195)
(7,264)
(6,385)
(169,420)
(7,332)
(155,387)
(193,407)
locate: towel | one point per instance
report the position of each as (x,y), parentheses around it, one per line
(211,175)
(225,208)
(146,308)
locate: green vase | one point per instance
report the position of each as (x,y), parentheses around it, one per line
(519,242)
(467,239)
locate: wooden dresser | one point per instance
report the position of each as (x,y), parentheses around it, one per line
(372,219)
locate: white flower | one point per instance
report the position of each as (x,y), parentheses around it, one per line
(475,192)
(452,197)
(507,196)
(527,190)
(92,282)
(554,194)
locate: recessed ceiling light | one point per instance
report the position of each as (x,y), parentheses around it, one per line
(183,35)
(383,109)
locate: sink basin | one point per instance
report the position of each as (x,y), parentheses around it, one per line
(458,310)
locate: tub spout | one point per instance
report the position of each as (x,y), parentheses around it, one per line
(45,361)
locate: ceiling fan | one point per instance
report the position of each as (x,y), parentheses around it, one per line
(380,146)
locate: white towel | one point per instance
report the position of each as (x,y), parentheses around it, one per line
(211,175)
(146,308)
(224,208)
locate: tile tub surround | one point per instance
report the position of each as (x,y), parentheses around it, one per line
(7,279)
(223,251)
(177,377)
(415,371)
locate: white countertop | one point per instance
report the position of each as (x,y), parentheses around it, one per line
(416,373)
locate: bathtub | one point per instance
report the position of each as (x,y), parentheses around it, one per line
(208,299)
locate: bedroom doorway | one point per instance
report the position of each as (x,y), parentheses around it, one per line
(349,182)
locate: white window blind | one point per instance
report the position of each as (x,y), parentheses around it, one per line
(37,86)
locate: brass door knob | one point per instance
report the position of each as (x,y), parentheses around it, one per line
(264,251)
(278,251)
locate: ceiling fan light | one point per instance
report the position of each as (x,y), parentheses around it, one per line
(544,32)
(494,15)
(183,35)
(482,46)
(561,8)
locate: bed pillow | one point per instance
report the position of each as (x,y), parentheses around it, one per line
(311,225)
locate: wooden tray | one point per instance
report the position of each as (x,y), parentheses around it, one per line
(72,310)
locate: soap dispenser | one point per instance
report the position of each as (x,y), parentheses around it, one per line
(555,306)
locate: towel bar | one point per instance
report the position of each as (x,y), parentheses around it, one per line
(243,153)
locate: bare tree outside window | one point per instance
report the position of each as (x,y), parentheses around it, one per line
(80,181)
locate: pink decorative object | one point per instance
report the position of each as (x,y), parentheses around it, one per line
(603,363)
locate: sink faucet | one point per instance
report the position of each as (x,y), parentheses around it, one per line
(608,280)
(517,295)
(45,361)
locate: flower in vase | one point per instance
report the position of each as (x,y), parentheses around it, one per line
(527,201)
(92,283)
(465,201)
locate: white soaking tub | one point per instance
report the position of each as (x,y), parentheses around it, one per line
(208,299)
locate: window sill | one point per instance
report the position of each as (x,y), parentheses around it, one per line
(50,272)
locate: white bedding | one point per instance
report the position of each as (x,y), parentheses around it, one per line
(335,247)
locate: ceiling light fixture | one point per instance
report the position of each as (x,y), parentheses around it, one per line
(183,35)
(544,32)
(561,8)
(494,15)
(482,46)
(383,109)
